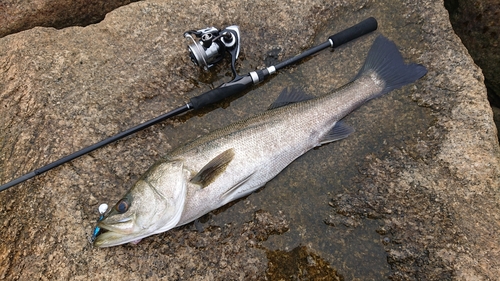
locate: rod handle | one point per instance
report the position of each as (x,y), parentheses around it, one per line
(238,85)
(353,32)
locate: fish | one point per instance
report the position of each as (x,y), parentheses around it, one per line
(236,160)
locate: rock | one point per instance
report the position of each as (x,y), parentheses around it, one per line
(476,22)
(21,15)
(422,168)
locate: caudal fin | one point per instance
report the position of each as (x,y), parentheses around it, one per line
(385,59)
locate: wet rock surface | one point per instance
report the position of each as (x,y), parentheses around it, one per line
(413,194)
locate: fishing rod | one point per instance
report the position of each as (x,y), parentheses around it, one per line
(207,48)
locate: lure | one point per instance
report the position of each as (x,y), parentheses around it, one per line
(102,209)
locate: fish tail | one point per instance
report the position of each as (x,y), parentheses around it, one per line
(385,59)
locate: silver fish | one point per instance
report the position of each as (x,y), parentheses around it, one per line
(236,160)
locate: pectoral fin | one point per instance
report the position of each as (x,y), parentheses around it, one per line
(338,132)
(214,168)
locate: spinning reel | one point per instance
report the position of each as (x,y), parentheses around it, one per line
(207,46)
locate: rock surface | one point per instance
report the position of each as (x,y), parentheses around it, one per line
(18,15)
(428,187)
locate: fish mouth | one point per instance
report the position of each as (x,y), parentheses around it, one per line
(115,234)
(124,220)
(108,238)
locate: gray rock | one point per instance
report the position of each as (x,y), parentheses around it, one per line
(418,182)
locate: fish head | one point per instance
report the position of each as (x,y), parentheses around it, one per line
(153,205)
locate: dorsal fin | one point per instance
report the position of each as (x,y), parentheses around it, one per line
(288,96)
(213,169)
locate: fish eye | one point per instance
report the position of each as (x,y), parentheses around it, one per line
(122,206)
